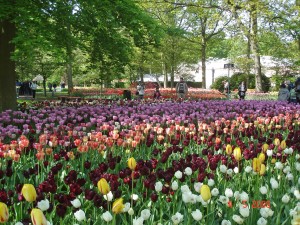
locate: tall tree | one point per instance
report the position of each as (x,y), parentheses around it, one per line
(7,65)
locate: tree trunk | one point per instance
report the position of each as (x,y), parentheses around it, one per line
(255,48)
(203,63)
(7,66)
(69,61)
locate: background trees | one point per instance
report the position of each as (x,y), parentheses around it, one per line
(101,41)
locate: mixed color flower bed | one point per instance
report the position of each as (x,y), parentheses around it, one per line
(167,93)
(164,162)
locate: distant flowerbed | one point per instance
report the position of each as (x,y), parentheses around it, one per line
(167,93)
(151,162)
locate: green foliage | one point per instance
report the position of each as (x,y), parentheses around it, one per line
(237,78)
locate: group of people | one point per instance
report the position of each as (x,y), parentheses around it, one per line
(242,89)
(181,90)
(289,92)
(26,88)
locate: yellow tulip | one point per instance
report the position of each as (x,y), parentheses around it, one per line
(103,186)
(131,163)
(276,142)
(3,213)
(37,217)
(262,157)
(283,144)
(205,192)
(237,154)
(273,160)
(228,149)
(265,147)
(29,192)
(118,206)
(262,169)
(256,165)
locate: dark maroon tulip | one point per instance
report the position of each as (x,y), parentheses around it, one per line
(154,197)
(201,177)
(61,210)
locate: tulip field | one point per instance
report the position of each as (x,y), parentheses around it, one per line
(151,162)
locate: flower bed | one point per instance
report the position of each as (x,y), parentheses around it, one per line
(166,162)
(167,93)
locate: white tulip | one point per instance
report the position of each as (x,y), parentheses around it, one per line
(262,221)
(126,207)
(269,152)
(185,188)
(223,199)
(297,194)
(289,176)
(158,186)
(215,192)
(236,170)
(174,185)
(274,183)
(236,195)
(178,174)
(177,218)
(244,196)
(134,197)
(197,186)
(285,198)
(188,171)
(223,168)
(107,217)
(297,165)
(210,182)
(130,211)
(244,211)
(287,169)
(226,222)
(80,215)
(238,219)
(197,215)
(248,169)
(138,221)
(109,196)
(76,203)
(278,165)
(263,190)
(43,205)
(228,192)
(19,223)
(229,172)
(145,214)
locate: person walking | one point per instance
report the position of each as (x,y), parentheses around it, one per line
(242,90)
(33,87)
(283,94)
(157,93)
(140,89)
(181,88)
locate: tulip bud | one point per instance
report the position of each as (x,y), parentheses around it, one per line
(237,154)
(37,217)
(103,186)
(273,160)
(131,163)
(29,192)
(283,144)
(256,165)
(228,149)
(262,157)
(265,147)
(262,169)
(118,206)
(205,192)
(3,213)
